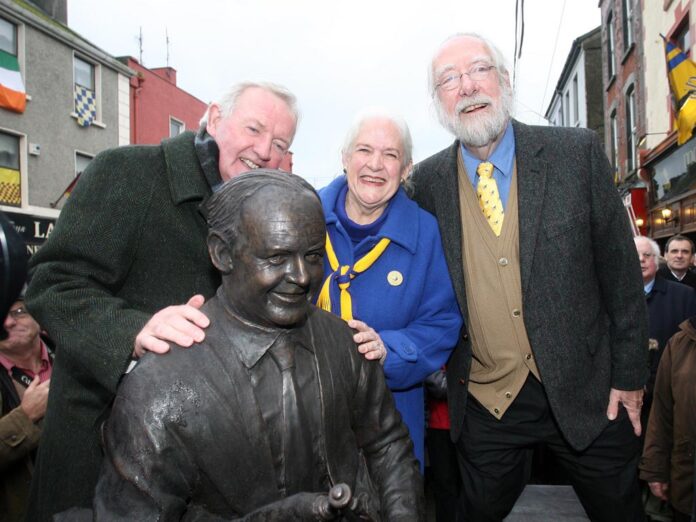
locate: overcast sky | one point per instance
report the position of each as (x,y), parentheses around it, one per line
(337,57)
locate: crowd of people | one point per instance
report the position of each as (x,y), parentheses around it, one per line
(241,346)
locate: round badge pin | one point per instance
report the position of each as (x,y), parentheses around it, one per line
(395,278)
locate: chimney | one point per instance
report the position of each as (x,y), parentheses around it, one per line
(56,9)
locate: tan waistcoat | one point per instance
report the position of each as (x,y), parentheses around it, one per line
(501,354)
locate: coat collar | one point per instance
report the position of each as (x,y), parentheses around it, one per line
(401,211)
(531,188)
(186,179)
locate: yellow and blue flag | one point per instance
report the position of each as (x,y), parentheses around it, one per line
(681,71)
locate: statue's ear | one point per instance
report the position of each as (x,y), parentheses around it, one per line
(220,253)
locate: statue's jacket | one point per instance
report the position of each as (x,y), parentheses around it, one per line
(186,432)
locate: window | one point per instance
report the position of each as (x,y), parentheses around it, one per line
(614,130)
(611,54)
(631,128)
(176,127)
(8,37)
(576,96)
(87,92)
(682,36)
(627,24)
(566,109)
(10,177)
(84,74)
(81,162)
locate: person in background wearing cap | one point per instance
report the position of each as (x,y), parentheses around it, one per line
(25,373)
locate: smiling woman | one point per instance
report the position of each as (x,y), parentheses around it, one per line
(384,266)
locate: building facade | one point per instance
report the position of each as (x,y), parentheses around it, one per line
(668,169)
(578,100)
(158,108)
(77,105)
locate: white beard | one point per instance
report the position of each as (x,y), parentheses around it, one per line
(480,129)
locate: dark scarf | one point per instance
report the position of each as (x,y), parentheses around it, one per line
(208,153)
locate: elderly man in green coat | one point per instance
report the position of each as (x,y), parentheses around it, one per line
(130,243)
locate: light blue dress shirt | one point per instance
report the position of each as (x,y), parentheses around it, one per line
(502,158)
(648,288)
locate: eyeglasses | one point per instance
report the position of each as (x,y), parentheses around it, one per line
(453,79)
(18,312)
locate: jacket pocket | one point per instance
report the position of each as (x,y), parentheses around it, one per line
(564,224)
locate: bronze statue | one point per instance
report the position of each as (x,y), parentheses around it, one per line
(275,415)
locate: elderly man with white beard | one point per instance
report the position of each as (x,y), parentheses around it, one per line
(539,250)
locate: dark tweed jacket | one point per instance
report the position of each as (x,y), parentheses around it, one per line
(130,241)
(584,308)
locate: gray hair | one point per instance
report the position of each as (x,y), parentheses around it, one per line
(653,245)
(496,55)
(225,206)
(371,113)
(228,101)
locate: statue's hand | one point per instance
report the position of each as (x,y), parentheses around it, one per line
(180,324)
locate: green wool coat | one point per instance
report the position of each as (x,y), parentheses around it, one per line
(130,241)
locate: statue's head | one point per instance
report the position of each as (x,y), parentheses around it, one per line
(266,237)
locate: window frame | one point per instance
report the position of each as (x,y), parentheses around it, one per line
(614,139)
(97,72)
(84,155)
(611,47)
(631,128)
(627,19)
(23,181)
(576,99)
(177,121)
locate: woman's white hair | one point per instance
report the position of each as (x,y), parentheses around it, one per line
(372,113)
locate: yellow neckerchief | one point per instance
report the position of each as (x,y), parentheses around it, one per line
(344,274)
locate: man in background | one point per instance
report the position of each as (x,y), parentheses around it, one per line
(679,251)
(25,373)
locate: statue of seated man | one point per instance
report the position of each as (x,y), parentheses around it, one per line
(276,406)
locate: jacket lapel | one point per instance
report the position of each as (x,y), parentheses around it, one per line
(446,198)
(531,186)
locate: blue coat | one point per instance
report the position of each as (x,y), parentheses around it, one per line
(418,319)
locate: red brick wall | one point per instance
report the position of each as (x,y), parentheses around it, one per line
(154,97)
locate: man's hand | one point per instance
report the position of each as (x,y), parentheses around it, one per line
(369,342)
(180,324)
(632,401)
(35,399)
(659,489)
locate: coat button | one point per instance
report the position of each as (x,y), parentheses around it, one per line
(465,336)
(503,261)
(528,356)
(508,395)
(516,312)
(497,411)
(462,381)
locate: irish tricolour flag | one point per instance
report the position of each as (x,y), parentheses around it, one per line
(12,93)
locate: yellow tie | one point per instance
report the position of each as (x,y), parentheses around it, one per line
(343,274)
(489,198)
